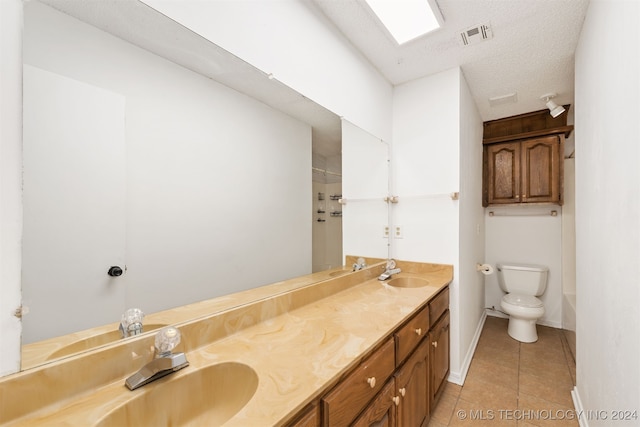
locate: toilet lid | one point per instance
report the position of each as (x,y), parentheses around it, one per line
(523,300)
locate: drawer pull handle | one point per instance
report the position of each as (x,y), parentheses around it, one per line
(419,331)
(372,381)
(396,400)
(435,344)
(403,391)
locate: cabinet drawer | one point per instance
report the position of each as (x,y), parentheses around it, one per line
(408,337)
(438,306)
(342,404)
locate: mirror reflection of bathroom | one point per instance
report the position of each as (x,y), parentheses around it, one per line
(121,199)
(327,210)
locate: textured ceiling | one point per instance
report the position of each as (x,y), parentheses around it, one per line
(531,52)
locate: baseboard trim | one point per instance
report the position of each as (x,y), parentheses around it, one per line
(577,404)
(459,377)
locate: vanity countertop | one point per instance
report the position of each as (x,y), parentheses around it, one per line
(297,354)
(38,353)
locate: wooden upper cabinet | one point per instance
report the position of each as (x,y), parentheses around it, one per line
(523,158)
(540,169)
(528,171)
(502,173)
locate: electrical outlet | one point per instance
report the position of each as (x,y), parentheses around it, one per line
(385,233)
(397,232)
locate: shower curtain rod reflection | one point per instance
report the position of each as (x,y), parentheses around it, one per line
(548,213)
(324,171)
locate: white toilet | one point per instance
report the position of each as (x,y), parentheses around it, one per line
(523,283)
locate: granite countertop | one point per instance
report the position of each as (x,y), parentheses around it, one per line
(297,354)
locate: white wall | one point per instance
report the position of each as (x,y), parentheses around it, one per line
(212,175)
(365,184)
(300,47)
(434,122)
(425,167)
(608,208)
(526,235)
(569,228)
(10,182)
(470,307)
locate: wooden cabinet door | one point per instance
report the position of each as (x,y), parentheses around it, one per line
(541,163)
(381,412)
(439,356)
(526,171)
(412,385)
(309,417)
(502,173)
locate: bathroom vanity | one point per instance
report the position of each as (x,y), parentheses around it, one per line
(350,349)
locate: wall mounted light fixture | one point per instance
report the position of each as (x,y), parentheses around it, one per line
(554,109)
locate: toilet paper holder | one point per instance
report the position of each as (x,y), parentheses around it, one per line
(485,269)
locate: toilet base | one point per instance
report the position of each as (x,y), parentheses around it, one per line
(523,330)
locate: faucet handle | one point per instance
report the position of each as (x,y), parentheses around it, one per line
(131,323)
(167,339)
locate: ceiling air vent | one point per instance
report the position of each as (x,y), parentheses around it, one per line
(475,34)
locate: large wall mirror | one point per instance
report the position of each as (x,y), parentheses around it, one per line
(153,150)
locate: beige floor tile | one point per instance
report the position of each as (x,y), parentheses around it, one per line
(511,383)
(489,394)
(470,414)
(443,409)
(552,390)
(489,371)
(510,359)
(554,372)
(452,389)
(541,412)
(434,423)
(500,341)
(539,356)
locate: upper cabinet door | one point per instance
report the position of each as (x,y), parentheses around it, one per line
(541,170)
(526,171)
(502,173)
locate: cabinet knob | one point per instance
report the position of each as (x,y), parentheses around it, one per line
(403,391)
(372,381)
(435,344)
(419,331)
(396,400)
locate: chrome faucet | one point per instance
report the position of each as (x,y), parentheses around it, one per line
(359,265)
(389,271)
(164,363)
(131,323)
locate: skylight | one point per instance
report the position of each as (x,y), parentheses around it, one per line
(406,19)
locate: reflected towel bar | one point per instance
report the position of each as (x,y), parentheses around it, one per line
(550,213)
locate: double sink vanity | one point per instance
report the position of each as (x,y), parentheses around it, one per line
(348,350)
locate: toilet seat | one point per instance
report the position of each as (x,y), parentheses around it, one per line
(528,301)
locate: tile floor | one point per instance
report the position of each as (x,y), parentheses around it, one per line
(511,383)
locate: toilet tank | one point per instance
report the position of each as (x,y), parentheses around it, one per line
(526,279)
